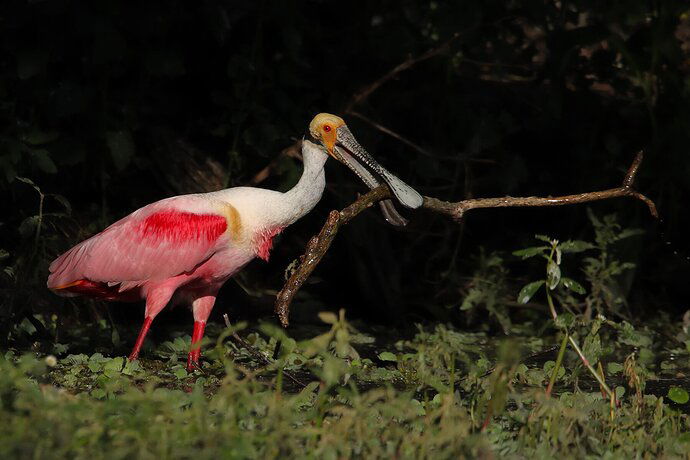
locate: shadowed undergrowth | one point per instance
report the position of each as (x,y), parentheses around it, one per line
(442,394)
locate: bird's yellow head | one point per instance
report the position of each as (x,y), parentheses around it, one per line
(333,134)
(324,128)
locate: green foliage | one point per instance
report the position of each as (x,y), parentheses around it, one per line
(487,289)
(605,270)
(459,405)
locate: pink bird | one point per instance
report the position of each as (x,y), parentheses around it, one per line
(182,249)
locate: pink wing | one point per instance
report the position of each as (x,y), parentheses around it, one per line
(159,241)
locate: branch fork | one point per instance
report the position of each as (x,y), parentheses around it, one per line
(320,243)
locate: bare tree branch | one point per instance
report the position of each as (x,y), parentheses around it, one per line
(319,244)
(366,91)
(458,209)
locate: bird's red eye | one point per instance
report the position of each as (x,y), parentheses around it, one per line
(326,128)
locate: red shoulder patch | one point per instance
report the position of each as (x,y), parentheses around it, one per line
(178,226)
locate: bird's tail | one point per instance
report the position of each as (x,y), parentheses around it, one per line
(64,272)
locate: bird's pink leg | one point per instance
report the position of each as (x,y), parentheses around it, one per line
(140,340)
(201,307)
(156,299)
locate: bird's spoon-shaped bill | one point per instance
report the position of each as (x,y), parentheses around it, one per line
(391,214)
(349,151)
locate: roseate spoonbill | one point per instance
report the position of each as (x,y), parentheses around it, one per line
(182,249)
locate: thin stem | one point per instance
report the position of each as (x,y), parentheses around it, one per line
(552,307)
(40,217)
(591,369)
(577,349)
(559,361)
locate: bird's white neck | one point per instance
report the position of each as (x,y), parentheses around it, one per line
(302,198)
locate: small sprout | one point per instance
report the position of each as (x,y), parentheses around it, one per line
(328,317)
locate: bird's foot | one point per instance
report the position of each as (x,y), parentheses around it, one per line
(193,361)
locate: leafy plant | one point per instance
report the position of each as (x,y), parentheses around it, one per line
(553,252)
(487,290)
(604,270)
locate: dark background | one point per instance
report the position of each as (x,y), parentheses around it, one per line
(113,104)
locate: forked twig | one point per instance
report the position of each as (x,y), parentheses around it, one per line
(319,244)
(458,209)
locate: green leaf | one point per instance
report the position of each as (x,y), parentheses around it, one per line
(97,358)
(43,161)
(543,238)
(528,291)
(592,347)
(530,252)
(548,369)
(628,232)
(620,392)
(535,377)
(553,274)
(573,285)
(98,393)
(28,226)
(121,146)
(131,367)
(565,320)
(180,372)
(628,335)
(614,368)
(575,246)
(114,364)
(388,356)
(64,202)
(76,359)
(28,181)
(328,317)
(94,366)
(305,396)
(678,395)
(37,137)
